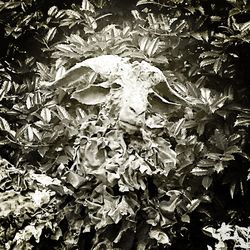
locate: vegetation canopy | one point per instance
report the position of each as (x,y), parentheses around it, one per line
(124,128)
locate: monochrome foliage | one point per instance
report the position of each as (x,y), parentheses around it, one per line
(124,129)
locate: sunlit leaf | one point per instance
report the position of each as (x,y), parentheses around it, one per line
(52,11)
(160,236)
(207,62)
(143,43)
(185,218)
(46,115)
(51,34)
(178,126)
(193,205)
(30,133)
(152,47)
(37,99)
(4,126)
(5,89)
(87,6)
(63,113)
(29,102)
(245,27)
(217,65)
(242,120)
(200,171)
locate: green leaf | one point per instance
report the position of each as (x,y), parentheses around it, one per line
(92,95)
(37,134)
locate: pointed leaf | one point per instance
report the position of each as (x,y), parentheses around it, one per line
(153,47)
(143,43)
(37,134)
(51,34)
(4,126)
(200,171)
(207,62)
(206,182)
(63,113)
(232,189)
(46,115)
(193,205)
(185,218)
(87,6)
(30,133)
(245,27)
(217,65)
(178,126)
(5,89)
(29,102)
(37,99)
(52,11)
(60,73)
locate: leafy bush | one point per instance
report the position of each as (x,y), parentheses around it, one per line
(72,177)
(227,233)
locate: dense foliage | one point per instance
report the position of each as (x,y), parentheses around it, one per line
(72,178)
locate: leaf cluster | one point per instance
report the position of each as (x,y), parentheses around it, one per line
(71,177)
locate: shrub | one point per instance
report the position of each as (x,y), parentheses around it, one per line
(85,182)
